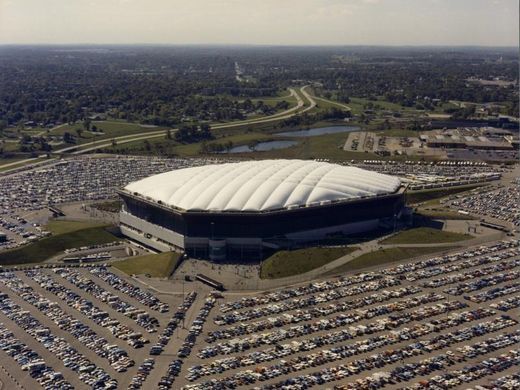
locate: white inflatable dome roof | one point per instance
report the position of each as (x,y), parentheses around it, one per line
(262,185)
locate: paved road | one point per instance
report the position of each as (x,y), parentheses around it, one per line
(16,163)
(333,102)
(235,279)
(193,360)
(309,98)
(160,133)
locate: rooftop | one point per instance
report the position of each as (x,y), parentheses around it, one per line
(262,185)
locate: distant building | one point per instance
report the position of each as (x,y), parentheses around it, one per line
(490,139)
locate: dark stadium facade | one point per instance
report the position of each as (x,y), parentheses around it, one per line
(232,234)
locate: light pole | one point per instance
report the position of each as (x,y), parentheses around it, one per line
(183,302)
(212,238)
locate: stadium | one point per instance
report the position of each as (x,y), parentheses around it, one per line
(236,210)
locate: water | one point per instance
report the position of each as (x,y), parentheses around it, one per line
(262,147)
(319,131)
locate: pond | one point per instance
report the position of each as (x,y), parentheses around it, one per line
(262,147)
(319,131)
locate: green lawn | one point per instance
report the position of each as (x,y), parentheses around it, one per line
(326,104)
(33,130)
(50,246)
(274,100)
(384,256)
(172,147)
(328,146)
(442,213)
(60,227)
(158,266)
(289,263)
(325,146)
(357,105)
(9,146)
(21,164)
(425,235)
(238,139)
(413,197)
(109,129)
(384,104)
(10,160)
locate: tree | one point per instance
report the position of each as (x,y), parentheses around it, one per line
(168,134)
(86,124)
(68,138)
(26,139)
(79,131)
(44,145)
(205,131)
(191,134)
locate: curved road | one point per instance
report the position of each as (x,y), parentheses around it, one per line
(333,102)
(309,98)
(160,133)
(85,148)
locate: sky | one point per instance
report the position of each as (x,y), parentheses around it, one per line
(271,22)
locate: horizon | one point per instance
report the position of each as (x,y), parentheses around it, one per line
(253,45)
(436,23)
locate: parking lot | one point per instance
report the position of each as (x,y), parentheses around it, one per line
(421,175)
(82,327)
(69,185)
(442,322)
(450,319)
(500,205)
(26,195)
(445,321)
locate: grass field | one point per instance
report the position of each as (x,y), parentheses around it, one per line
(60,227)
(413,197)
(171,147)
(274,100)
(442,213)
(106,130)
(33,130)
(384,256)
(158,266)
(289,263)
(425,235)
(10,145)
(357,105)
(50,246)
(238,139)
(21,164)
(10,160)
(326,104)
(329,146)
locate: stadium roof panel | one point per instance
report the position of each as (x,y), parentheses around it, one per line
(262,185)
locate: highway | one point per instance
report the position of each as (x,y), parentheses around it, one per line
(160,133)
(301,107)
(335,103)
